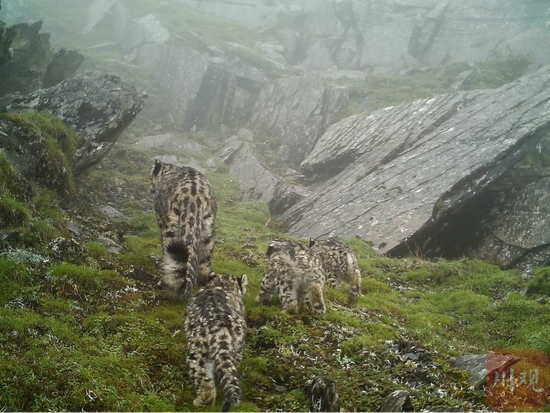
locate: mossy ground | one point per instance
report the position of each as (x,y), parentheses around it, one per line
(84,326)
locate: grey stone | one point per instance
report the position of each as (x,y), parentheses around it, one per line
(63,65)
(6,37)
(517,228)
(400,176)
(397,401)
(479,366)
(296,110)
(257,181)
(112,212)
(99,107)
(32,53)
(169,140)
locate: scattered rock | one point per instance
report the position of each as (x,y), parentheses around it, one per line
(397,401)
(169,141)
(112,212)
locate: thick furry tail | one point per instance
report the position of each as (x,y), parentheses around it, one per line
(228,376)
(179,269)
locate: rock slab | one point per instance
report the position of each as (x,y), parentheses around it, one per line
(400,174)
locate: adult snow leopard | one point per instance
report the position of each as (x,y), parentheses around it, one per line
(186,207)
(215,330)
(295,272)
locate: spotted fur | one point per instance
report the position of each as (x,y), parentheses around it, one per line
(186,207)
(339,263)
(322,395)
(294,271)
(215,329)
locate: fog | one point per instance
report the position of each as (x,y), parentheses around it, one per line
(335,95)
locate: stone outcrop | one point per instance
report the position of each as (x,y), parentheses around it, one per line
(205,92)
(257,180)
(516,230)
(34,64)
(25,72)
(295,111)
(99,107)
(408,178)
(6,38)
(63,65)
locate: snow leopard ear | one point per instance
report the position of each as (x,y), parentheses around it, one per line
(243,282)
(311,242)
(211,275)
(156,169)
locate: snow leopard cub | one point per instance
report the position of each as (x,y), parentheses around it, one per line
(186,207)
(339,263)
(295,272)
(215,330)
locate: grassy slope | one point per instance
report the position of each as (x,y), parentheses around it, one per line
(87,329)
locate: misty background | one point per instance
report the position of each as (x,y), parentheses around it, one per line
(308,93)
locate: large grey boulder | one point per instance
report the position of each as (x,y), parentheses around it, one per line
(204,92)
(99,107)
(296,110)
(401,176)
(63,65)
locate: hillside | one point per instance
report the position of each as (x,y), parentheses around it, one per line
(84,327)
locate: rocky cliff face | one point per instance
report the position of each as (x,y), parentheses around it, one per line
(392,36)
(325,36)
(416,178)
(423,177)
(32,63)
(296,110)
(6,38)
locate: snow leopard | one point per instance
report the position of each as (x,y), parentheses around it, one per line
(295,272)
(339,263)
(215,330)
(186,207)
(322,395)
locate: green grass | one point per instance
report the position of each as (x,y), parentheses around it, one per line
(384,91)
(82,332)
(54,147)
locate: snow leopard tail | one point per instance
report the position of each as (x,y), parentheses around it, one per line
(180,267)
(226,364)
